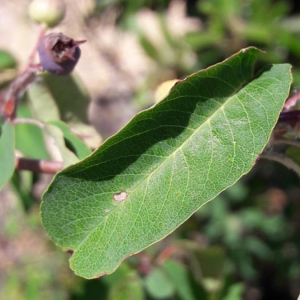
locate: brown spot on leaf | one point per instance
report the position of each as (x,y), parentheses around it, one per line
(119,197)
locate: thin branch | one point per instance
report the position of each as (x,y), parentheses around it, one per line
(29,121)
(39,166)
(11,95)
(285,141)
(287,162)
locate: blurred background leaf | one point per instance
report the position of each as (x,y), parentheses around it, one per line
(70,96)
(7,154)
(77,145)
(7,61)
(134,46)
(29,137)
(158,285)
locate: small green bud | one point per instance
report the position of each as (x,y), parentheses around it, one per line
(49,12)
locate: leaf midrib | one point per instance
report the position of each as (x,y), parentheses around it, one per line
(221,107)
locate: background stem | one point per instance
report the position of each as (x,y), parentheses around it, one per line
(39,166)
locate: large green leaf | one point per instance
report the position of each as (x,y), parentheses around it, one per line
(7,155)
(171,159)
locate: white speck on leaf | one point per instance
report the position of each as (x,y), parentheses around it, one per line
(120,196)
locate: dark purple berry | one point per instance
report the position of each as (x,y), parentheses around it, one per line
(59,53)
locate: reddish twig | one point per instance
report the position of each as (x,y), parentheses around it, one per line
(39,166)
(166,253)
(11,95)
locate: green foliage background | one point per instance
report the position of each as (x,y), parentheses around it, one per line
(243,245)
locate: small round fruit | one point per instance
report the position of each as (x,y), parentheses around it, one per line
(59,53)
(49,12)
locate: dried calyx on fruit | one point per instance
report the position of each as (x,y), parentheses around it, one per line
(59,53)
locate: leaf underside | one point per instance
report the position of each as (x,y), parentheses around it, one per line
(171,159)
